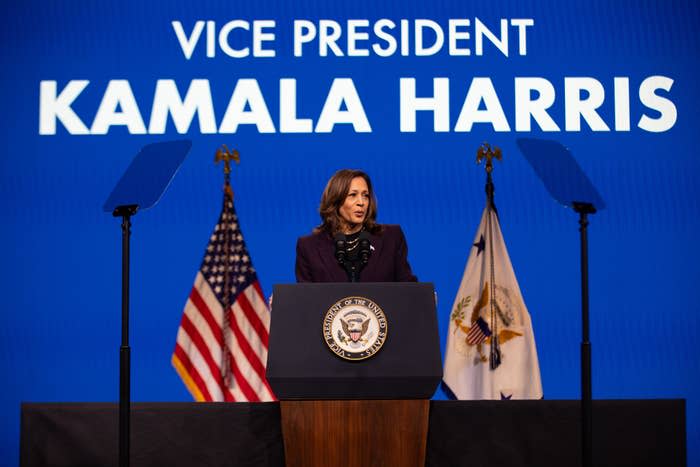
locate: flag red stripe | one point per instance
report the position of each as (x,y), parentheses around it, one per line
(192,371)
(201,345)
(206,313)
(265,340)
(267,386)
(261,329)
(198,340)
(248,351)
(258,289)
(253,318)
(242,382)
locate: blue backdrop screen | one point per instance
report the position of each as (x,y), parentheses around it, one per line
(404,90)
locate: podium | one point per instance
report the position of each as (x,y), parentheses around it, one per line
(354,366)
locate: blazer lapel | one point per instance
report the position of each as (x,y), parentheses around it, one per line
(373,265)
(326,253)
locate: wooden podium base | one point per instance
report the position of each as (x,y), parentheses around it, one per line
(354,433)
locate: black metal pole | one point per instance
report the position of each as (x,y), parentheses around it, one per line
(583,209)
(125,212)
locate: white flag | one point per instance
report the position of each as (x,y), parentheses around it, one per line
(491,351)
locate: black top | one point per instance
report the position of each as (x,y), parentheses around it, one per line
(353,262)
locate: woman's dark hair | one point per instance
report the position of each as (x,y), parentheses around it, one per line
(334,196)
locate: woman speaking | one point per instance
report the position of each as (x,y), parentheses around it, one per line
(349,245)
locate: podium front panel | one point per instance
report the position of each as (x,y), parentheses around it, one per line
(301,364)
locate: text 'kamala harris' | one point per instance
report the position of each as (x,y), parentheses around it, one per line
(117,105)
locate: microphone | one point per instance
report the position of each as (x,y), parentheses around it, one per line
(364,247)
(340,252)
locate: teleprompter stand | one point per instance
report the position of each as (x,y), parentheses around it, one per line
(141,186)
(339,412)
(569,185)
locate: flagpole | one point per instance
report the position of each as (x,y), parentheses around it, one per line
(226,155)
(485,152)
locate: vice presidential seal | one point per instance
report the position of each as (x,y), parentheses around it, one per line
(355,328)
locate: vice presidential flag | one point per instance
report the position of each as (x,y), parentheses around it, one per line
(491,351)
(221,348)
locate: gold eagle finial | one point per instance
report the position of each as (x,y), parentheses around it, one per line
(226,155)
(486,152)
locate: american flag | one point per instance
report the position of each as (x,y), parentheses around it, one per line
(221,348)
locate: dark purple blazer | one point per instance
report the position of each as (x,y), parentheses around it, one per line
(388,261)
